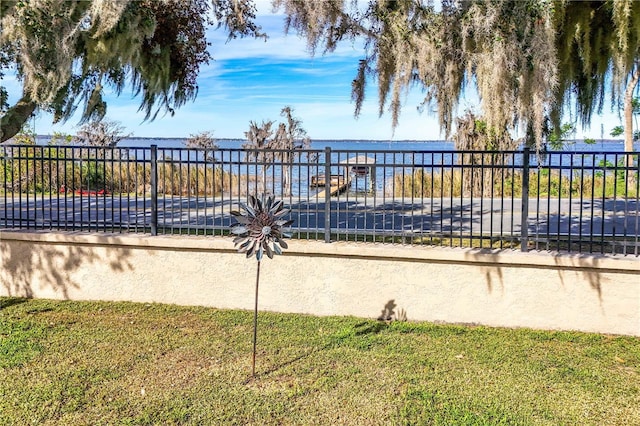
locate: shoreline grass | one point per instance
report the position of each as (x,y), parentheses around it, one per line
(127,363)
(542,183)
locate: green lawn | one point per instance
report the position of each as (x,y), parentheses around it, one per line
(74,363)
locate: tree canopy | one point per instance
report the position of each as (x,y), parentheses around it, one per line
(66,52)
(529,60)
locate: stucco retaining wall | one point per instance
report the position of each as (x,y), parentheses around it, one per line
(512,289)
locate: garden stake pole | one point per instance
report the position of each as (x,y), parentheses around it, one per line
(255,324)
(260,231)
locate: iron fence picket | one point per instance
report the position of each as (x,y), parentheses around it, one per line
(524,211)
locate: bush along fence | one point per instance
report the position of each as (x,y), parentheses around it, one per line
(585,202)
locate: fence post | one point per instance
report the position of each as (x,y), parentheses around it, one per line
(154,190)
(524,219)
(327,194)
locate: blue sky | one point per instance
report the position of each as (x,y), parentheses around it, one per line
(252,80)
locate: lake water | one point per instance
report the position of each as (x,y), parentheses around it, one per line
(609,145)
(368,145)
(402,153)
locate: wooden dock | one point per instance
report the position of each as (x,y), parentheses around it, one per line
(321,180)
(338,184)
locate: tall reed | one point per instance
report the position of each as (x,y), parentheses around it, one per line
(435,183)
(192,180)
(53,170)
(426,184)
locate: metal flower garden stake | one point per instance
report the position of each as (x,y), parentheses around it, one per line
(260,229)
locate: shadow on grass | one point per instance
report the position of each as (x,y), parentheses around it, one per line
(357,330)
(370,327)
(10,301)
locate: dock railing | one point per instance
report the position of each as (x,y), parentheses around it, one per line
(584,202)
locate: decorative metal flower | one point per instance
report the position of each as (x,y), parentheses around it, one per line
(260,227)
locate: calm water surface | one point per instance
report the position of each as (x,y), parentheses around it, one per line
(368,145)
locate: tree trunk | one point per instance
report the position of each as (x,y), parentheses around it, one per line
(11,123)
(628,115)
(287,174)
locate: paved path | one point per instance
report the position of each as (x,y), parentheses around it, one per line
(383,215)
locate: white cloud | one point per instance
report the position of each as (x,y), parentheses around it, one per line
(278,45)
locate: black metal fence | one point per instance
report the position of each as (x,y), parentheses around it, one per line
(587,202)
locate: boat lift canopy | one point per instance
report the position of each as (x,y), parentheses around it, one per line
(362,166)
(360,160)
